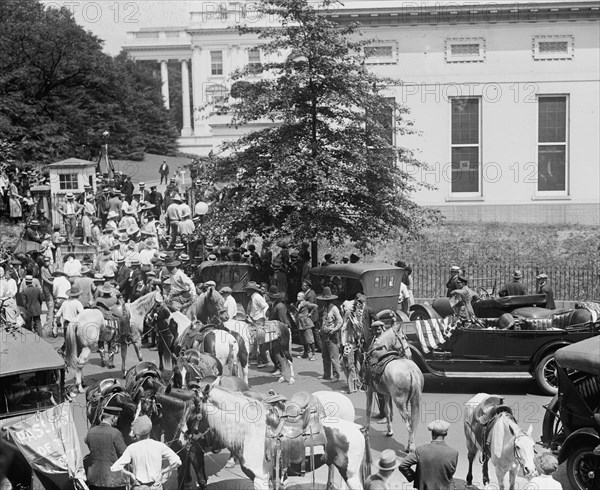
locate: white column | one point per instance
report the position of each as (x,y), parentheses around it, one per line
(200,67)
(164,78)
(186,130)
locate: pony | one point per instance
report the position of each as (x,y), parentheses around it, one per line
(401,379)
(239,423)
(490,427)
(89,327)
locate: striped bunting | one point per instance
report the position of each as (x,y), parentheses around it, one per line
(433,333)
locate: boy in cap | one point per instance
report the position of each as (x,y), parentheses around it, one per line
(146,458)
(230,303)
(388,462)
(547,464)
(435,462)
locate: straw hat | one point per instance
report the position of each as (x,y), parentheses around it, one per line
(388,460)
(74,292)
(253,286)
(326,295)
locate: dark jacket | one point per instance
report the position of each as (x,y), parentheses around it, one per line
(547,290)
(106,446)
(311,297)
(514,288)
(278,312)
(452,285)
(122,280)
(32,300)
(436,464)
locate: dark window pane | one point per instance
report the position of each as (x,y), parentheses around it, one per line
(551,168)
(465,169)
(465,121)
(552,120)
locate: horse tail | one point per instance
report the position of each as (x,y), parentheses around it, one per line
(284,340)
(71,346)
(243,351)
(414,394)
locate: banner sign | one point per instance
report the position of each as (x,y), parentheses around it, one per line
(49,442)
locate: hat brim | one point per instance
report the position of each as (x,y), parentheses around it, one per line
(275,295)
(395,465)
(327,298)
(252,288)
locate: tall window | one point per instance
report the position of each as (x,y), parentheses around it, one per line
(216,62)
(466,145)
(254,57)
(385,117)
(68,182)
(552,143)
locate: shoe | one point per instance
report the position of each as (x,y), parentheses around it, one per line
(264,365)
(276,373)
(302,357)
(281,380)
(312,358)
(382,421)
(323,378)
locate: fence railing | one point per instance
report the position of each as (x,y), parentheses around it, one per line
(568,283)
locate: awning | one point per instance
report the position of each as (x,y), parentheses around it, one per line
(24,352)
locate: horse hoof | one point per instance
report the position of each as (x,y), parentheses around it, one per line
(281,380)
(80,389)
(292,381)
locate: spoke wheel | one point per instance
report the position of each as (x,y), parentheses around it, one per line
(552,428)
(583,469)
(546,375)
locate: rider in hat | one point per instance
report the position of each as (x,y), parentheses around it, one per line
(435,462)
(388,462)
(330,336)
(515,287)
(70,308)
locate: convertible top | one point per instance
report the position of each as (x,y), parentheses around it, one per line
(354,271)
(26,352)
(582,356)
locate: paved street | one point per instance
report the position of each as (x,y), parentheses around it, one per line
(442,399)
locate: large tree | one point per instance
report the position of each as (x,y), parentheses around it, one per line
(59,91)
(327,168)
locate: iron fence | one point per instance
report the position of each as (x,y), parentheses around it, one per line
(569,283)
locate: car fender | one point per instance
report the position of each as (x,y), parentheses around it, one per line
(576,439)
(425,310)
(545,349)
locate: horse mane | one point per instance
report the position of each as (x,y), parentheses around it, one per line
(232,431)
(507,420)
(142,303)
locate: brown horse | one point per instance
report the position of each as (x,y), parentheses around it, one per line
(401,379)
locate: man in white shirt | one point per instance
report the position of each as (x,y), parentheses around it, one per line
(60,286)
(230,303)
(174,217)
(70,211)
(146,458)
(257,308)
(72,266)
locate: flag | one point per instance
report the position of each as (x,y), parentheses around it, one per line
(433,333)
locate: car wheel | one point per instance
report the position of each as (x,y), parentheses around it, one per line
(546,375)
(552,428)
(583,469)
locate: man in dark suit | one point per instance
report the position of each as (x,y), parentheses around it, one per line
(544,288)
(515,287)
(164,172)
(106,446)
(32,301)
(435,462)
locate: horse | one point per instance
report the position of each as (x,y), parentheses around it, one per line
(98,398)
(89,327)
(239,423)
(490,427)
(401,379)
(193,366)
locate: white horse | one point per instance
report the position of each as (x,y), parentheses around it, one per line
(510,447)
(83,334)
(239,423)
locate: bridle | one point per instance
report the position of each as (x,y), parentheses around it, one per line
(516,452)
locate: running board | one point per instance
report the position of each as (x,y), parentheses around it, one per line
(493,374)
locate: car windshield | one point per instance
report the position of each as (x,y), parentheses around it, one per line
(29,391)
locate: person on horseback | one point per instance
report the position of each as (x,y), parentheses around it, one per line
(377,328)
(183,290)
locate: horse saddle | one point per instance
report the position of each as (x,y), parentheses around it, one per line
(116,320)
(378,359)
(485,416)
(137,376)
(266,332)
(295,427)
(204,364)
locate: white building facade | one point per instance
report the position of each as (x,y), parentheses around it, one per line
(505,97)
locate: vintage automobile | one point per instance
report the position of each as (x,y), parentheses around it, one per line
(379,282)
(233,274)
(32,378)
(524,350)
(572,418)
(529,306)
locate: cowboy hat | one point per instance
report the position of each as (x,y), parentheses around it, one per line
(388,460)
(112,214)
(253,286)
(105,289)
(74,292)
(439,427)
(326,295)
(274,293)
(123,238)
(517,274)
